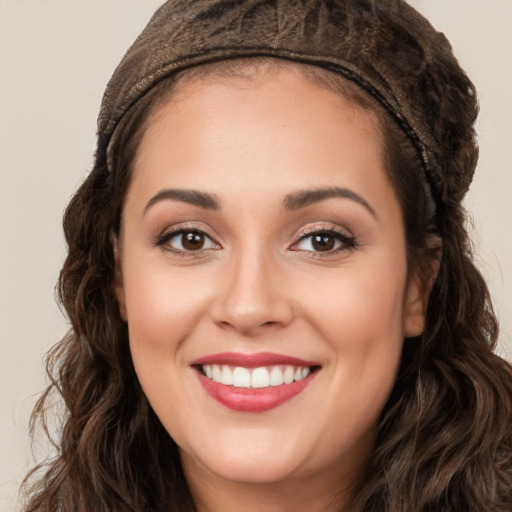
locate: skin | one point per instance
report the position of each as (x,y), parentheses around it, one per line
(261,286)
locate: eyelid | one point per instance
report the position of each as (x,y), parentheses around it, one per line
(173,231)
(348,240)
(323,228)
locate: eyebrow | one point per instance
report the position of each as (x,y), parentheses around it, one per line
(293,201)
(303,198)
(193,197)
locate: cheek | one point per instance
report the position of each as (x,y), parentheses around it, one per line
(164,309)
(360,317)
(363,325)
(361,308)
(163,306)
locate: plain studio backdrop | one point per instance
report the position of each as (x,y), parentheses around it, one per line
(56,57)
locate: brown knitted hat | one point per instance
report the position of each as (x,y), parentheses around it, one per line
(385,46)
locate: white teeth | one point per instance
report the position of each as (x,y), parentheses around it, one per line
(241,377)
(216,374)
(276,376)
(289,373)
(301,373)
(261,377)
(226,376)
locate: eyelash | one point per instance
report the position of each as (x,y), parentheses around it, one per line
(346,242)
(181,230)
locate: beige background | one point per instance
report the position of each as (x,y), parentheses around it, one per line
(55,59)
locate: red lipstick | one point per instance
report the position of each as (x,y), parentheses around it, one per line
(243,397)
(252,360)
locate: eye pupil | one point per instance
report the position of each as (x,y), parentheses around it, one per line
(323,242)
(192,241)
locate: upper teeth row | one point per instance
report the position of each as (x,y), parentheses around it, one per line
(260,377)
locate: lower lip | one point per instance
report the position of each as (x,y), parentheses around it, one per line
(253,399)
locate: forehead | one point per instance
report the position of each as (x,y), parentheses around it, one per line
(273,129)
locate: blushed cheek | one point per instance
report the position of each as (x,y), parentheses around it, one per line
(161,311)
(361,316)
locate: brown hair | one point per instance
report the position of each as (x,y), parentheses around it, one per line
(444,441)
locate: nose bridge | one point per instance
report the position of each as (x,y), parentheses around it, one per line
(251,297)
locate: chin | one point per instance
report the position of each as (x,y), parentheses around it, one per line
(257,459)
(256,471)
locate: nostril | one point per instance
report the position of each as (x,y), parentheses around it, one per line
(249,328)
(249,313)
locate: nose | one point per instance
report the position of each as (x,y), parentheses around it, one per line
(253,297)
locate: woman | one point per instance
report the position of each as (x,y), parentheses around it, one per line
(269,281)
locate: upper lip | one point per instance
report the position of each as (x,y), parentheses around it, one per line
(252,360)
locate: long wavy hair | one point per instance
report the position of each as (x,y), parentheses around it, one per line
(444,440)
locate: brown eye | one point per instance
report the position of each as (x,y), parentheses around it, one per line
(323,242)
(192,241)
(187,241)
(328,242)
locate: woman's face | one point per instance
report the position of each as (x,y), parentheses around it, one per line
(263,276)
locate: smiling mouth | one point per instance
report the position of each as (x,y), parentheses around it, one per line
(255,378)
(254,382)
